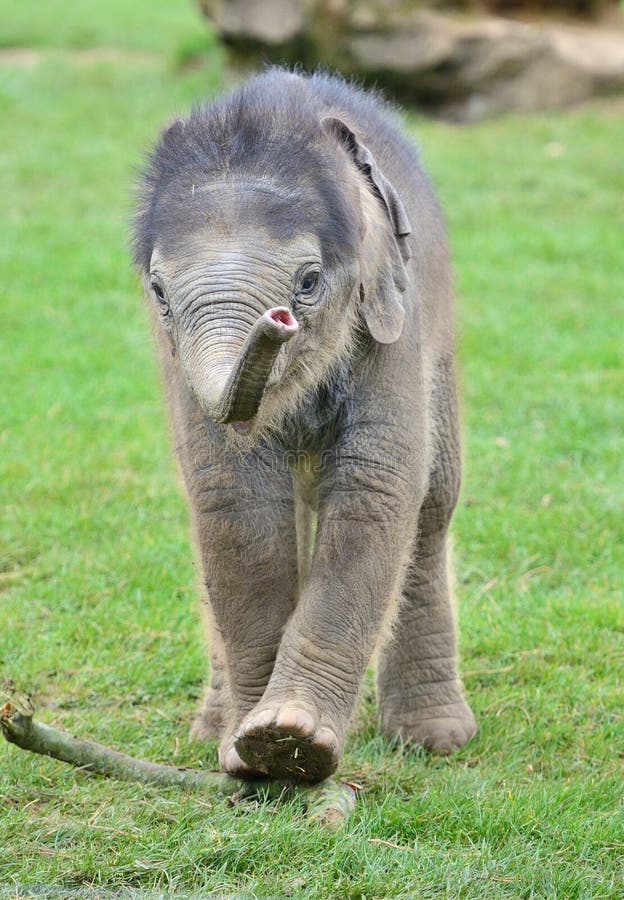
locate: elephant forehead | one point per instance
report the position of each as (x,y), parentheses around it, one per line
(264,208)
(250,250)
(232,203)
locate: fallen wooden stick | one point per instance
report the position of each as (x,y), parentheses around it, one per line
(329,803)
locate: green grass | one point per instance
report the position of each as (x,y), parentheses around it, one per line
(98,611)
(158,25)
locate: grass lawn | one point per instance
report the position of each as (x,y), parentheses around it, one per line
(98,610)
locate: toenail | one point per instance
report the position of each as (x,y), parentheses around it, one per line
(260,720)
(326,738)
(292,719)
(233,762)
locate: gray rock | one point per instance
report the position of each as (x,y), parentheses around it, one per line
(458,66)
(270,22)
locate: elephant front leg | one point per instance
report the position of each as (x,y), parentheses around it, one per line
(298,729)
(214,709)
(249,554)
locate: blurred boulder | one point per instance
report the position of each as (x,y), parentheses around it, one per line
(266,22)
(459,66)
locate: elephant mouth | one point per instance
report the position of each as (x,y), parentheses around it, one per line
(235,400)
(242,427)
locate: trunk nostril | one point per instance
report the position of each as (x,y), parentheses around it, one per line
(279,324)
(282,316)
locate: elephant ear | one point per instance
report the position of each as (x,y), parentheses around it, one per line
(384,251)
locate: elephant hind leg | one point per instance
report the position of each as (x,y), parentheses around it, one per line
(420,694)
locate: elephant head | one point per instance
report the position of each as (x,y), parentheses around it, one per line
(263,259)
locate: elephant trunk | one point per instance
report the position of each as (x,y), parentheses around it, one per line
(237,395)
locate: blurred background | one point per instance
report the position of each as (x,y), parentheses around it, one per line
(519,112)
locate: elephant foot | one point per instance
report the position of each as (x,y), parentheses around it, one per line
(440,730)
(288,742)
(209,721)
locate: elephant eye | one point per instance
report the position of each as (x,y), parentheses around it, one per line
(309,283)
(161,297)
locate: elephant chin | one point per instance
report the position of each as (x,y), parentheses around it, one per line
(236,402)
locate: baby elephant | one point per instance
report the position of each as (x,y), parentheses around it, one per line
(297,270)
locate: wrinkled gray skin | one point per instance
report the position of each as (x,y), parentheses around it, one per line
(296,263)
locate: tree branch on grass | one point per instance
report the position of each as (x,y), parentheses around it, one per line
(329,803)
